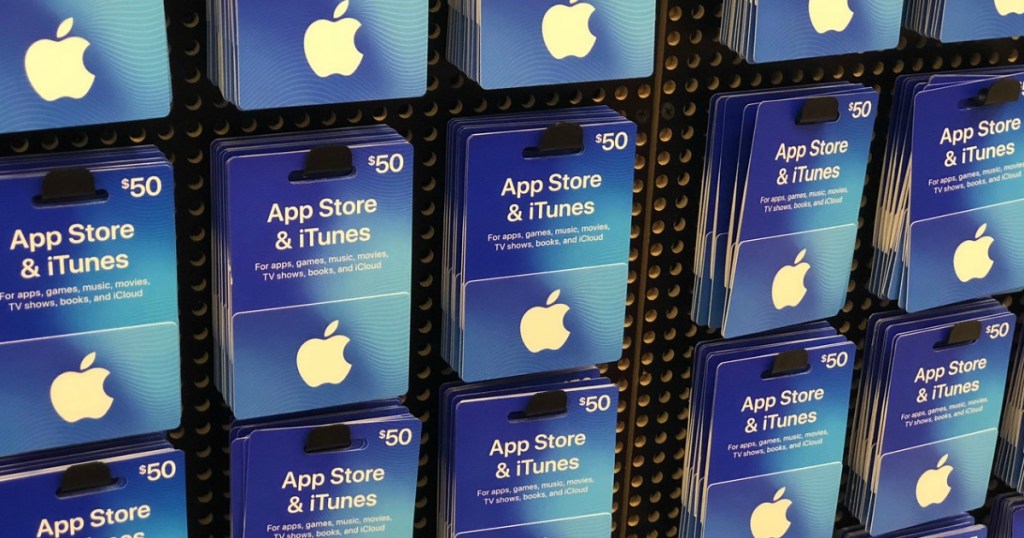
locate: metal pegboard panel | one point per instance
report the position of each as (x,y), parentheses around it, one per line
(694,66)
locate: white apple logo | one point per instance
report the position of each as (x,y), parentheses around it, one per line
(80,395)
(543,327)
(769,519)
(322,361)
(971,260)
(1006,7)
(566,30)
(57,69)
(788,288)
(933,486)
(331,45)
(830,15)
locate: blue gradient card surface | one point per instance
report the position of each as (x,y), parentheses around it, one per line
(528,457)
(768,421)
(537,247)
(69,63)
(344,473)
(965,20)
(328,51)
(88,299)
(927,414)
(943,231)
(781,195)
(313,269)
(141,494)
(504,44)
(777,31)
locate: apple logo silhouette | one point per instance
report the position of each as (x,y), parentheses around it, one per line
(1006,7)
(769,519)
(830,15)
(321,361)
(788,289)
(566,30)
(56,69)
(933,486)
(331,45)
(971,260)
(80,395)
(543,327)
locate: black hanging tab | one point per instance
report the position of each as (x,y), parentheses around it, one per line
(819,110)
(964,332)
(327,161)
(67,185)
(1005,90)
(546,404)
(329,439)
(790,362)
(562,138)
(85,477)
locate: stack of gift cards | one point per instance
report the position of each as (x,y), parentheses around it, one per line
(538,216)
(965,20)
(89,339)
(503,44)
(135,490)
(779,31)
(312,269)
(927,414)
(951,200)
(1006,518)
(68,63)
(528,456)
(1009,465)
(270,54)
(764,448)
(346,472)
(782,188)
(962,526)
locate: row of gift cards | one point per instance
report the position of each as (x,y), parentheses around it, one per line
(781,194)
(1006,517)
(89,339)
(350,471)
(766,434)
(312,261)
(538,210)
(540,42)
(528,456)
(951,202)
(927,414)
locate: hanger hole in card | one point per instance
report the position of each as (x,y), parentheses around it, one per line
(819,110)
(964,333)
(787,363)
(559,139)
(543,405)
(1001,92)
(326,162)
(86,479)
(69,186)
(332,438)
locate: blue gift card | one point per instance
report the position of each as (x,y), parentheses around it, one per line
(71,63)
(539,42)
(312,269)
(328,51)
(89,336)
